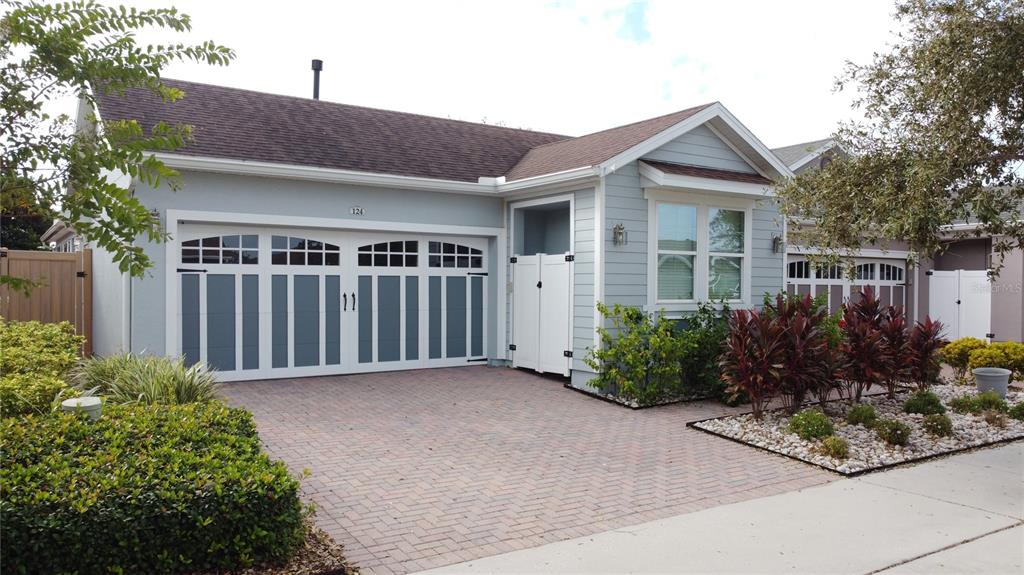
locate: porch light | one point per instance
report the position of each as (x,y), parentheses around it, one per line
(619,234)
(776,244)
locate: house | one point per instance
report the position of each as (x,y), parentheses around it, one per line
(952,286)
(61,237)
(312,238)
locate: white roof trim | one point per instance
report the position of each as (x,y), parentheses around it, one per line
(495,186)
(716,110)
(658,178)
(813,154)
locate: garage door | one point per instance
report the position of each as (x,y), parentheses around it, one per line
(885,277)
(286,303)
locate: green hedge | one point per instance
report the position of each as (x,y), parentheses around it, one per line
(34,347)
(25,393)
(146,489)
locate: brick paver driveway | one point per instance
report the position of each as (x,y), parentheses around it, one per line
(418,469)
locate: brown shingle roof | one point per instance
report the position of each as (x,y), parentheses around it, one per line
(595,148)
(246,125)
(713,173)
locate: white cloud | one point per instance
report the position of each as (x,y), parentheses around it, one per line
(567,67)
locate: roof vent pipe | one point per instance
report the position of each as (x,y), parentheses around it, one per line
(318,65)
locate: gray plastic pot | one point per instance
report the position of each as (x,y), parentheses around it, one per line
(992,379)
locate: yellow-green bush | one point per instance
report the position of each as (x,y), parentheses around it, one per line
(1014,352)
(23,393)
(957,353)
(35,347)
(990,356)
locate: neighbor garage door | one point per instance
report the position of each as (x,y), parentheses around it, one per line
(283,303)
(887,277)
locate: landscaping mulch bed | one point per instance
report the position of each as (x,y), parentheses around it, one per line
(320,555)
(866,451)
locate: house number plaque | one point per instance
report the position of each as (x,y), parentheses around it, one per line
(356,211)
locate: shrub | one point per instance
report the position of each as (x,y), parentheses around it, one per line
(892,431)
(866,357)
(1014,353)
(1017,411)
(990,400)
(143,490)
(897,341)
(957,353)
(639,359)
(991,356)
(938,424)
(752,357)
(925,403)
(34,347)
(994,417)
(925,342)
(835,447)
(23,393)
(700,345)
(807,359)
(862,414)
(130,378)
(811,424)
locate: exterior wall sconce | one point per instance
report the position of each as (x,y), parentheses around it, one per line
(619,234)
(776,244)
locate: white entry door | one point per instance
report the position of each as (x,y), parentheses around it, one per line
(541,328)
(962,301)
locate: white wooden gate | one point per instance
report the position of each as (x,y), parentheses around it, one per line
(962,301)
(541,325)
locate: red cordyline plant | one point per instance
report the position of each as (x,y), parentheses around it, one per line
(866,356)
(752,358)
(925,342)
(900,354)
(806,364)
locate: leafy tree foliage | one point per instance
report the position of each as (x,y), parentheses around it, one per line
(22,219)
(942,139)
(83,49)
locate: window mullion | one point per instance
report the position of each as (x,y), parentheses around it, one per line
(703,260)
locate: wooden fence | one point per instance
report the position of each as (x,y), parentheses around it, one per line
(64,292)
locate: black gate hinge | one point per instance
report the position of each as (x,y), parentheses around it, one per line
(511,347)
(513,259)
(929,272)
(567,353)
(990,335)
(79,274)
(570,258)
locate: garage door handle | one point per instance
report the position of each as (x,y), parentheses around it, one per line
(353,301)
(344,299)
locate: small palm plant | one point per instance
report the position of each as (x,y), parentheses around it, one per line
(146,379)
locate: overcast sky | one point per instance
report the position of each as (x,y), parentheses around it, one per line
(558,66)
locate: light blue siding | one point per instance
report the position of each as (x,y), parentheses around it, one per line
(701,147)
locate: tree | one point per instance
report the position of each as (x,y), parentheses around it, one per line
(83,49)
(22,219)
(942,139)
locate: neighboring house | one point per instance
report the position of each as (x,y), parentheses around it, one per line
(314,238)
(952,287)
(62,238)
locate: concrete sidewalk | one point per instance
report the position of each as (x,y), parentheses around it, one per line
(962,514)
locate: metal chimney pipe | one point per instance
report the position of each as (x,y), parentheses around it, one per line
(318,65)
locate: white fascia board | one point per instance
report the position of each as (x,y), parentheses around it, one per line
(813,154)
(661,179)
(858,253)
(312,173)
(487,187)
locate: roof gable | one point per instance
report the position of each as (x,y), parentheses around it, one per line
(701,147)
(796,155)
(593,149)
(255,126)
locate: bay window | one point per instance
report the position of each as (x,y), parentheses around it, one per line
(700,251)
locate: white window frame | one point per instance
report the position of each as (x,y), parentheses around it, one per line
(701,273)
